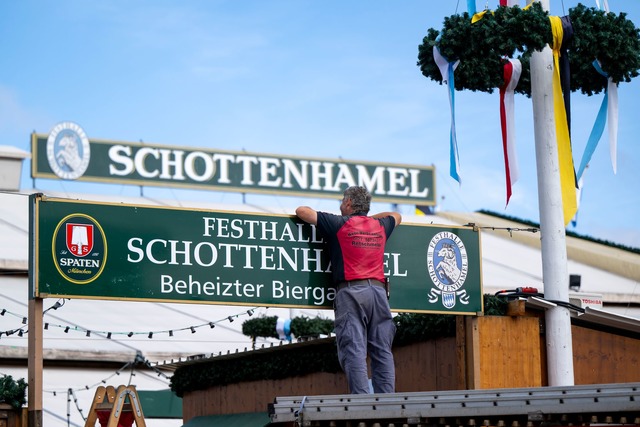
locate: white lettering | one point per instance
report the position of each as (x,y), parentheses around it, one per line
(140,162)
(301,175)
(176,162)
(397,182)
(190,166)
(120,154)
(415,174)
(269,172)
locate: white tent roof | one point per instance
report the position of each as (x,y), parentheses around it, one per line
(509,260)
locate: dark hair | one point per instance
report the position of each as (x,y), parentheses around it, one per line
(360,198)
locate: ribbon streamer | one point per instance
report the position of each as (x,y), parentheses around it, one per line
(446,70)
(478,16)
(608,111)
(283,328)
(565,160)
(574,220)
(512,72)
(565,69)
(471,7)
(606,5)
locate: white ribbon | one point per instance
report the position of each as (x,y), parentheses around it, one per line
(606,5)
(612,122)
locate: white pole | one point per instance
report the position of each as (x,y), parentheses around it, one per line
(555,274)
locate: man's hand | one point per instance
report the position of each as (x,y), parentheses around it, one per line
(307,214)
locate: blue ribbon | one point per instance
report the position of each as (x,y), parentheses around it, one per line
(453,140)
(283,328)
(287,329)
(446,68)
(471,7)
(598,127)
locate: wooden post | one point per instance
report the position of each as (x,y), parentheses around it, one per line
(35,362)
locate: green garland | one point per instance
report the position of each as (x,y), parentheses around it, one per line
(13,392)
(301,327)
(512,32)
(319,356)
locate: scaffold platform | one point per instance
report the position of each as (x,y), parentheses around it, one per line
(610,404)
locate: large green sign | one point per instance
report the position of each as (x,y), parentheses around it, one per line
(145,253)
(67,153)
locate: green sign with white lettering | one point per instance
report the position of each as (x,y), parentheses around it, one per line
(146,253)
(67,153)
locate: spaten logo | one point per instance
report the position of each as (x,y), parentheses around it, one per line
(79,248)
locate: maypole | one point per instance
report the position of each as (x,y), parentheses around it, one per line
(555,275)
(477,51)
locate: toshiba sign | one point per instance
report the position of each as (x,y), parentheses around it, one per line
(67,153)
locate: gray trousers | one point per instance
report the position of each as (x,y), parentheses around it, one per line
(363,323)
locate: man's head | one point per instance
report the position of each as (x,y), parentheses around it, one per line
(356,199)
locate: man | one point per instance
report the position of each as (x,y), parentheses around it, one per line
(363,318)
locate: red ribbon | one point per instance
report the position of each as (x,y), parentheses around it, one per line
(512,70)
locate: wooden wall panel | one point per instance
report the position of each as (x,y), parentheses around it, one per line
(488,352)
(415,366)
(508,352)
(600,357)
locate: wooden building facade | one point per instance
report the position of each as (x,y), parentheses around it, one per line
(487,352)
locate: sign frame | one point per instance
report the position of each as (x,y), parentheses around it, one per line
(142,164)
(233,258)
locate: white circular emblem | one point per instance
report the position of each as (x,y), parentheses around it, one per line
(447,261)
(68,150)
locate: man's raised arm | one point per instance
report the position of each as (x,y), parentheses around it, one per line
(307,214)
(395,216)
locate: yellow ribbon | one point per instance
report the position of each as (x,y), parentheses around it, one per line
(565,158)
(478,16)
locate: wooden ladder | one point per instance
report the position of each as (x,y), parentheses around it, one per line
(115,408)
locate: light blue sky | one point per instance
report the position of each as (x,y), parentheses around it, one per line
(308,78)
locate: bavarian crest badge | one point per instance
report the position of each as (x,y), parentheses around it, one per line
(448,266)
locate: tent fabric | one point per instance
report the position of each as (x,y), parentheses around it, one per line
(247,419)
(160,404)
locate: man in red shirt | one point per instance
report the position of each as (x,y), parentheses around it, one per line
(363,320)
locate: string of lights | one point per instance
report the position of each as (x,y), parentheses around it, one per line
(110,334)
(510,230)
(70,393)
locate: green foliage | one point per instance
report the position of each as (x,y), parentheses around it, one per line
(260,366)
(301,327)
(320,356)
(495,306)
(13,392)
(260,327)
(417,327)
(613,40)
(512,32)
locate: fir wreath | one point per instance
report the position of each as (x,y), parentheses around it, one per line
(512,32)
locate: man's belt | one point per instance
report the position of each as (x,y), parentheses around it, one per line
(360,282)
